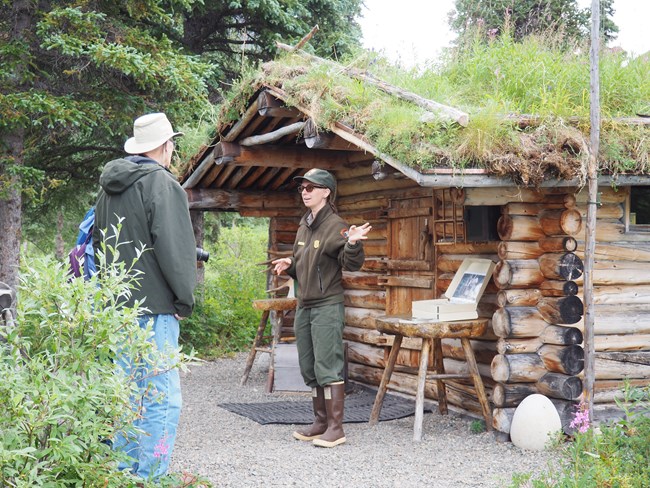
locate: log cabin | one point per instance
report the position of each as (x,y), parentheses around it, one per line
(527,216)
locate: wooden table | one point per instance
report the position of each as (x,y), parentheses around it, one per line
(432,332)
(263,343)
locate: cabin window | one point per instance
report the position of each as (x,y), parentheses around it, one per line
(482,223)
(640,208)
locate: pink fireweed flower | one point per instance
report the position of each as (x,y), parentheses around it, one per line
(161,449)
(581,419)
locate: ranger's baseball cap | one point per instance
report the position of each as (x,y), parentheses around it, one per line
(319,177)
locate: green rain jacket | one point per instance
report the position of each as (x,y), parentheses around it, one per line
(320,253)
(154,213)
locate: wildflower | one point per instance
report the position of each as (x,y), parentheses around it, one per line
(161,449)
(581,419)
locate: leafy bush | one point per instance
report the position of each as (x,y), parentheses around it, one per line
(63,397)
(224,320)
(613,455)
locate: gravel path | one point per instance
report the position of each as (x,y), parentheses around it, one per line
(233,451)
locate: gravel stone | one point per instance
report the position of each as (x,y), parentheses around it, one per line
(233,451)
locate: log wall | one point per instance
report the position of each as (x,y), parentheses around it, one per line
(534,338)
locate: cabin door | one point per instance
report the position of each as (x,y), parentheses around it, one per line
(410,253)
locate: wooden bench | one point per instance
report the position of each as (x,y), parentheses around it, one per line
(431,333)
(263,343)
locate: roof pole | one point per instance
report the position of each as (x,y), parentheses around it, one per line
(590,237)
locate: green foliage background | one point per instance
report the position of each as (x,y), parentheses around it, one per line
(224,320)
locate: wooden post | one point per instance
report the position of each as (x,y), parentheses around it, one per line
(590,233)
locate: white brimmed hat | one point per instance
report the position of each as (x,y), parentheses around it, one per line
(149,132)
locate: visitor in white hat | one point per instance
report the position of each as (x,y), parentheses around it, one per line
(141,197)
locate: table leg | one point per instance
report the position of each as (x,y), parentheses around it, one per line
(478,382)
(383,386)
(439,365)
(256,343)
(277,330)
(419,395)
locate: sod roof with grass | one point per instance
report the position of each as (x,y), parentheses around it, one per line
(523,107)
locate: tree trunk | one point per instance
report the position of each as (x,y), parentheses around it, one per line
(11,212)
(59,245)
(14,142)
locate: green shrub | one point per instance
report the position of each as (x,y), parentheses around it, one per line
(63,397)
(224,320)
(613,455)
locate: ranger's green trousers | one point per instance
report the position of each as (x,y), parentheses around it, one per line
(319,337)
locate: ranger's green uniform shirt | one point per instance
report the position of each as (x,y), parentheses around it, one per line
(320,253)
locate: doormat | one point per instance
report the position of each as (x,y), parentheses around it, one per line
(358,405)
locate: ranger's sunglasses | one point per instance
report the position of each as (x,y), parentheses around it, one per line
(309,188)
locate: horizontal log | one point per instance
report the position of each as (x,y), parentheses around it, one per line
(614,252)
(517,368)
(472,248)
(527,345)
(358,280)
(563,310)
(619,319)
(642,358)
(369,184)
(562,359)
(561,266)
(406,281)
(534,209)
(519,228)
(609,391)
(556,222)
(558,244)
(560,335)
(557,385)
(518,297)
(558,288)
(620,273)
(364,336)
(408,265)
(517,322)
(622,365)
(611,211)
(269,106)
(520,273)
(375,299)
(606,195)
(553,334)
(505,195)
(552,385)
(321,139)
(510,250)
(362,317)
(502,419)
(268,212)
(217,199)
(450,263)
(622,342)
(366,354)
(374,263)
(484,351)
(511,395)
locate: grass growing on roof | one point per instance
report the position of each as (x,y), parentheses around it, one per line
(542,77)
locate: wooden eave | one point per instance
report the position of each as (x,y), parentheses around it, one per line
(251,164)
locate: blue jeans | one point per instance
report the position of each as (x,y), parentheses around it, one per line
(159,404)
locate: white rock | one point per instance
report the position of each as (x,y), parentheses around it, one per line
(534,423)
